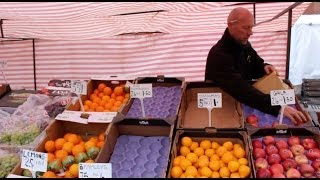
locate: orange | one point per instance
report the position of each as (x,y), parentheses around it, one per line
(51,157)
(214,165)
(101,136)
(94,106)
(68,175)
(234,175)
(94,139)
(221,150)
(80,138)
(224,172)
(68,147)
(99,109)
(199,151)
(105,98)
(49,146)
(227,157)
(228,145)
(209,152)
(108,106)
(77,149)
(184,163)
(120,98)
(113,96)
(244,171)
(86,108)
(92,96)
(125,100)
(96,100)
(100,95)
(205,171)
(236,145)
(112,101)
(203,161)
(81,143)
(107,91)
(101,87)
(73,138)
(102,103)
(117,103)
(88,145)
(100,144)
(233,166)
(194,145)
(192,157)
(215,145)
(114,109)
(176,161)
(74,170)
(90,161)
(191,171)
(61,154)
(239,152)
(66,136)
(186,141)
(184,150)
(243,161)
(87,102)
(214,157)
(118,90)
(96,92)
(205,144)
(49,174)
(215,174)
(59,143)
(176,172)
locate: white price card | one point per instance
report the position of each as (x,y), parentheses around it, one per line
(140,90)
(3,64)
(95,170)
(79,87)
(34,161)
(282,97)
(209,100)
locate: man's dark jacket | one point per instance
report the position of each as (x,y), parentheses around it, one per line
(231,66)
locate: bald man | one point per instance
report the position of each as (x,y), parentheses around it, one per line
(232,63)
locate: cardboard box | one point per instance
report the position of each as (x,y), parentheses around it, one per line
(159,81)
(270,82)
(192,117)
(302,133)
(239,137)
(73,110)
(4,88)
(59,128)
(15,98)
(117,129)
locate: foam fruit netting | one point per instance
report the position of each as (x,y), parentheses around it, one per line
(163,103)
(140,157)
(266,120)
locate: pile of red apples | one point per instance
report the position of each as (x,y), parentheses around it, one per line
(286,157)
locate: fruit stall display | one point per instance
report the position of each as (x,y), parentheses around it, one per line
(295,154)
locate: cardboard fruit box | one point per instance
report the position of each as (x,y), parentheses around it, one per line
(137,151)
(162,108)
(224,138)
(59,128)
(229,117)
(73,110)
(276,146)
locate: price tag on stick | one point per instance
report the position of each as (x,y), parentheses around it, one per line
(95,170)
(141,91)
(79,87)
(282,98)
(34,161)
(209,101)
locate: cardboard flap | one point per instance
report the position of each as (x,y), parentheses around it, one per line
(229,116)
(270,82)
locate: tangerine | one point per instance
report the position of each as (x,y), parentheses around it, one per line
(59,143)
(101,87)
(74,170)
(49,146)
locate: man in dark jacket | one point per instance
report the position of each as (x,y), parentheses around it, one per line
(232,62)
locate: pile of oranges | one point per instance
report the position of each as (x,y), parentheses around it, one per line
(209,159)
(64,154)
(106,99)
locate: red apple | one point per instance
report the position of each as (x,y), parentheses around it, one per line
(282,144)
(301,159)
(285,154)
(313,154)
(297,149)
(252,119)
(293,173)
(260,163)
(263,173)
(255,125)
(257,144)
(278,176)
(309,143)
(293,140)
(268,140)
(276,169)
(271,149)
(274,159)
(306,170)
(259,153)
(289,163)
(316,165)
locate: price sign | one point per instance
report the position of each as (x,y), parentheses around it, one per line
(282,97)
(3,64)
(141,90)
(78,87)
(209,100)
(34,161)
(95,170)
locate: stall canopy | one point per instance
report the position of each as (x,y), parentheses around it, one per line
(76,40)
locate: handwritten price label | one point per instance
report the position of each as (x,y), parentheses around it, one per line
(95,170)
(78,87)
(282,97)
(34,161)
(140,90)
(209,100)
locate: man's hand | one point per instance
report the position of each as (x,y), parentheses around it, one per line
(295,116)
(269,69)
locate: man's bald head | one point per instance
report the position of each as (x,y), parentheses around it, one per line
(240,23)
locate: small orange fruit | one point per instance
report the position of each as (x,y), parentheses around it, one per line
(100,144)
(73,138)
(51,157)
(68,175)
(77,149)
(118,90)
(107,91)
(88,145)
(94,139)
(176,172)
(90,161)
(61,154)
(59,143)
(68,147)
(74,170)
(101,136)
(101,87)
(49,174)
(49,146)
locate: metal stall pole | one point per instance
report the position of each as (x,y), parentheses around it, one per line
(34,65)
(288,44)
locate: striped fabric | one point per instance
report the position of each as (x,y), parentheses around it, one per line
(79,40)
